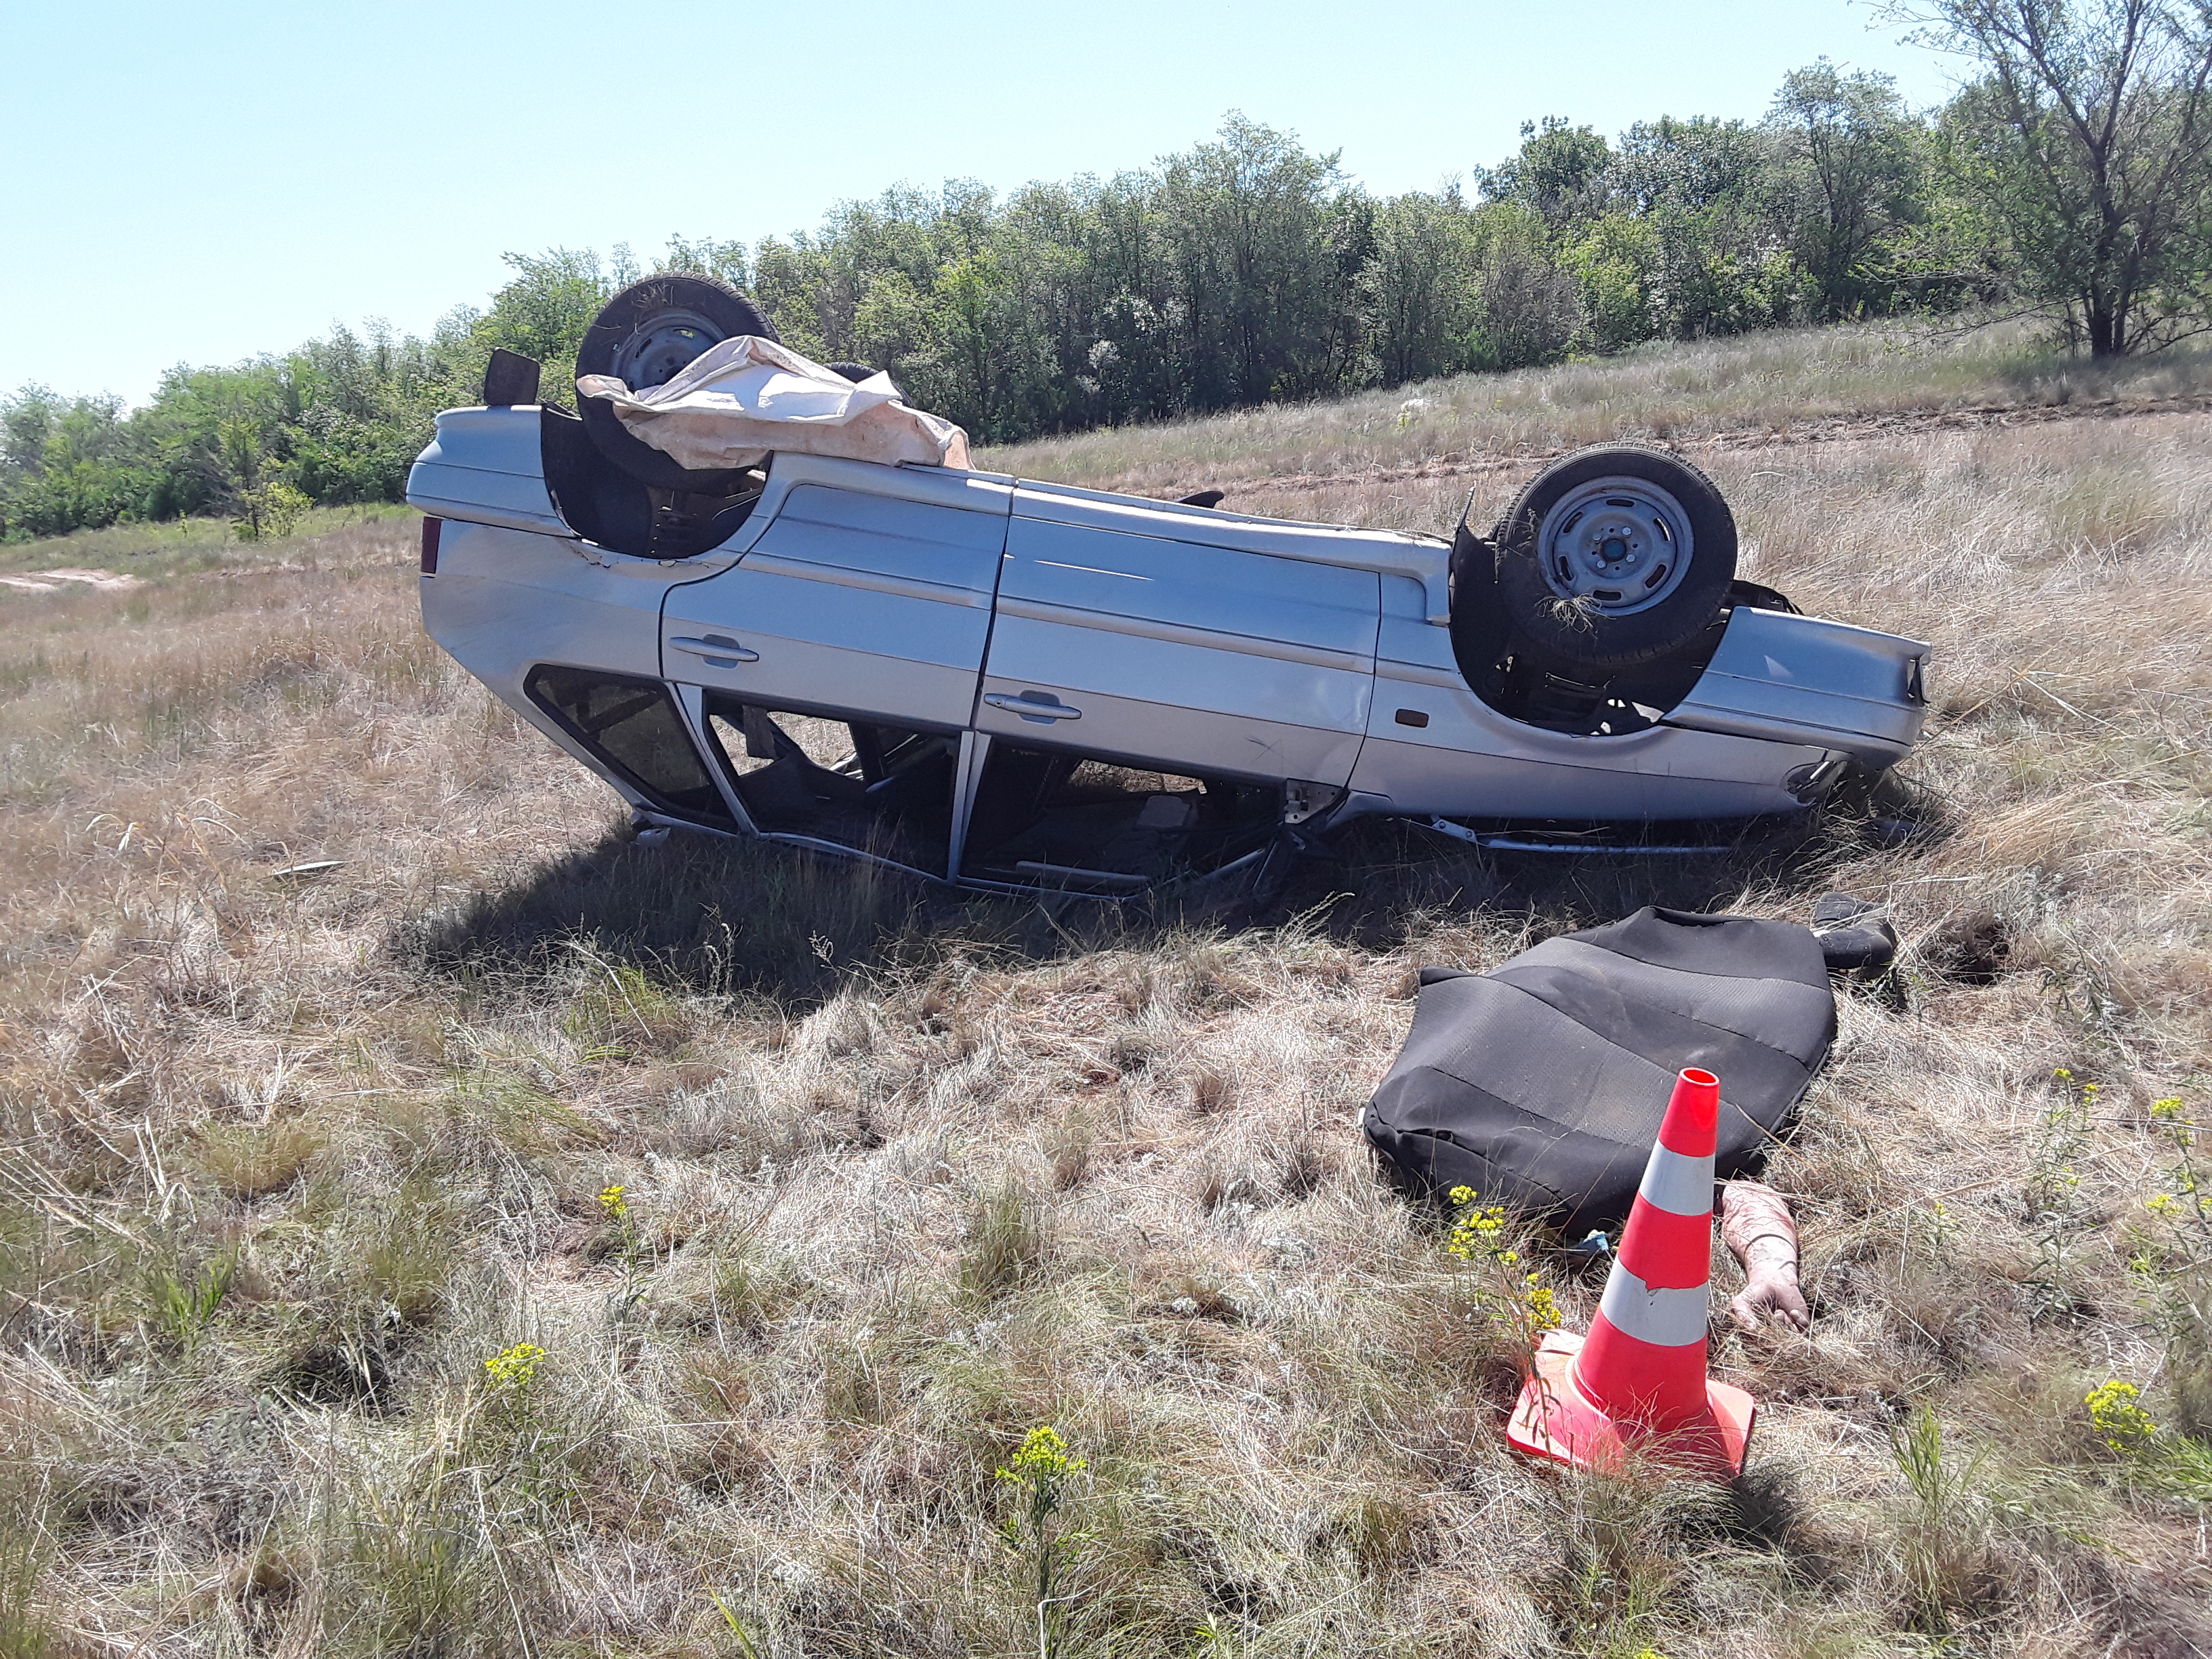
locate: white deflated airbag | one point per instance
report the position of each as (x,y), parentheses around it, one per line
(740,400)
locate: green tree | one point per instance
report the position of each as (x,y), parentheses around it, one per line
(1267,247)
(1707,189)
(897,328)
(543,310)
(1615,264)
(1564,173)
(366,401)
(723,261)
(788,278)
(976,300)
(2087,145)
(1421,286)
(66,463)
(1852,158)
(1528,310)
(1136,313)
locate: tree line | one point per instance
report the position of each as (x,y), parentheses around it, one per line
(2070,178)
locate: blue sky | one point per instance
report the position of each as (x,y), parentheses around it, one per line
(198,183)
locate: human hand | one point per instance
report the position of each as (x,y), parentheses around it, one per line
(1771,1291)
(1764,1297)
(1756,1226)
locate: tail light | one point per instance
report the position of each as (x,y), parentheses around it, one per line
(430,527)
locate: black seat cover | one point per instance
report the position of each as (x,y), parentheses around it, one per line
(1542,1083)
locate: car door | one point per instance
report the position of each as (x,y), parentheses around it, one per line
(831,671)
(1145,634)
(868,594)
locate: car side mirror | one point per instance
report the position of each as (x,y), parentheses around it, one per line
(510,378)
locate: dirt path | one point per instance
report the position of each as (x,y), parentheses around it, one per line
(50,581)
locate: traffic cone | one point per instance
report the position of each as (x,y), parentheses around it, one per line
(1637,1382)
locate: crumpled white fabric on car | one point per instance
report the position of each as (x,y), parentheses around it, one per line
(736,402)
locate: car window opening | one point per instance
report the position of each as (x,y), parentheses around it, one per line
(882,790)
(633,726)
(1060,818)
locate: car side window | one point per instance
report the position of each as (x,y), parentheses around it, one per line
(1063,819)
(633,725)
(886,790)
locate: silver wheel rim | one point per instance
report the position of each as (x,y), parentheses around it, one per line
(1615,546)
(661,347)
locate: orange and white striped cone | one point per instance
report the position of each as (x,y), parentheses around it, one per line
(1637,1382)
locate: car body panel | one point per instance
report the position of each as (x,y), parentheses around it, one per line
(1468,760)
(504,601)
(1180,654)
(484,466)
(852,601)
(1425,559)
(1803,679)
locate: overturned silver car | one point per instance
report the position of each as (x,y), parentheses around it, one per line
(1009,684)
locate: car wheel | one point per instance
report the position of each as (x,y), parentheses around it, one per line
(644,337)
(1615,557)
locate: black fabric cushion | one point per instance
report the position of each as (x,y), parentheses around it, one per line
(1540,1084)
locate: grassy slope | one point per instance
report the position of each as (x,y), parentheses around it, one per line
(181,545)
(1775,383)
(906,1176)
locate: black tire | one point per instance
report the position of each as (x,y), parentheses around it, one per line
(1579,601)
(639,337)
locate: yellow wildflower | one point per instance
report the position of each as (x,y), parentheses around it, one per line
(2120,1423)
(1043,1456)
(514,1367)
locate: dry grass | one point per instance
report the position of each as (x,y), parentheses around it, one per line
(182,546)
(1756,388)
(286,1161)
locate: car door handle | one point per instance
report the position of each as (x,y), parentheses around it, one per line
(719,649)
(1040,706)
